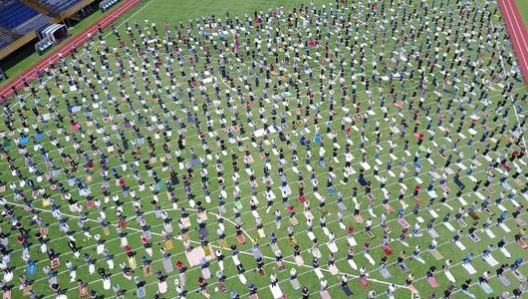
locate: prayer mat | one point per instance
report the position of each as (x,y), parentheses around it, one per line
(7,294)
(325,295)
(299,260)
(505,252)
(169,244)
(346,290)
(449,276)
(474,238)
(445,188)
(333,270)
(385,273)
(277,292)
(522,243)
(520,277)
(369,259)
(241,239)
(132,262)
(206,273)
(195,255)
(352,264)
(319,273)
(295,284)
(27,290)
(435,175)
(460,245)
(432,194)
(388,208)
(486,287)
(449,226)
(387,250)
(504,280)
(469,268)
(83,291)
(505,227)
(332,247)
(257,253)
(186,222)
(436,254)
(162,287)
(462,223)
(280,266)
(433,213)
(403,223)
(31,269)
(371,235)
(432,282)
(147,270)
(490,260)
(403,267)
(364,283)
(55,263)
(489,212)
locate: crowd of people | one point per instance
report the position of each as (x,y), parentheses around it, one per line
(342,143)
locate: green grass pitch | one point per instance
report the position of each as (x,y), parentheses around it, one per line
(377,110)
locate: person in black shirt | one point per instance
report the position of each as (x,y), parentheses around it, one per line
(305,293)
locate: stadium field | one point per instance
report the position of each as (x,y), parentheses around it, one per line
(381,144)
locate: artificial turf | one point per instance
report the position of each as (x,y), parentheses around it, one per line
(523,9)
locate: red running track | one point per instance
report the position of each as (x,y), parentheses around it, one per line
(518,33)
(65,49)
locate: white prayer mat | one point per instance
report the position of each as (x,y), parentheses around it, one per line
(460,246)
(276,292)
(491,260)
(352,264)
(505,227)
(490,234)
(469,268)
(449,276)
(370,259)
(449,226)
(505,252)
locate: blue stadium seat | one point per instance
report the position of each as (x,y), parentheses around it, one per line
(60,5)
(106,4)
(34,24)
(5,39)
(14,13)
(3,43)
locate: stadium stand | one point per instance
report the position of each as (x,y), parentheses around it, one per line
(106,4)
(20,20)
(33,24)
(60,5)
(14,13)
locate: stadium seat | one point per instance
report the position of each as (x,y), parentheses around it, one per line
(32,24)
(6,38)
(106,4)
(60,5)
(3,43)
(14,13)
